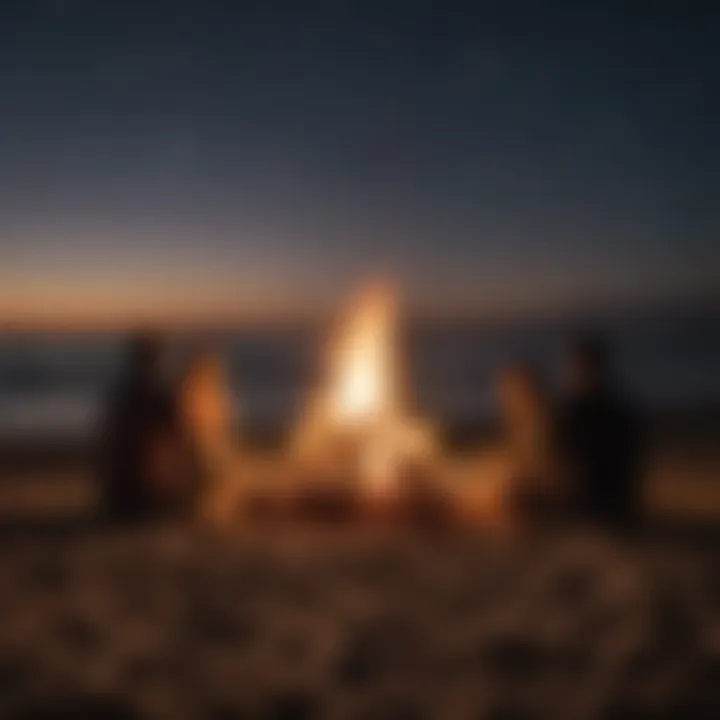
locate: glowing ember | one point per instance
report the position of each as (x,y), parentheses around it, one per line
(357,425)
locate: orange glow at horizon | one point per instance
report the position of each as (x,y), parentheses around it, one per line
(110,302)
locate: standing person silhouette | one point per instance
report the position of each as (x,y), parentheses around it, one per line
(143,467)
(600,441)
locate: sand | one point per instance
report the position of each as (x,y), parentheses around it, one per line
(173,622)
(351,622)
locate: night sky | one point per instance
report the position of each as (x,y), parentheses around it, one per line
(250,159)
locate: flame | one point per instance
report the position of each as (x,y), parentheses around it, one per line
(358,420)
(362,387)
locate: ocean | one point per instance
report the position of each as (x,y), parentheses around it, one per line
(55,383)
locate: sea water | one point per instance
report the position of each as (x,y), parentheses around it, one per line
(56,383)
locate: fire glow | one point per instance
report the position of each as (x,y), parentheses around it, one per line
(357,425)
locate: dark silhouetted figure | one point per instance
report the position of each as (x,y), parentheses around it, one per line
(600,440)
(143,464)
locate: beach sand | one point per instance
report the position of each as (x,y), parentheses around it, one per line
(344,622)
(169,622)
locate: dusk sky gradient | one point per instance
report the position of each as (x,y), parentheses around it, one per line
(249,158)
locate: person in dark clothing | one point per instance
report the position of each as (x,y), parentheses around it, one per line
(600,439)
(143,471)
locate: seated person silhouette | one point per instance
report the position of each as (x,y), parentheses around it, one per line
(533,489)
(599,437)
(205,402)
(143,459)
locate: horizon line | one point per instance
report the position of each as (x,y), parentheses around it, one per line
(218,322)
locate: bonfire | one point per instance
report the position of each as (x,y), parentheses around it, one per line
(357,431)
(357,445)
